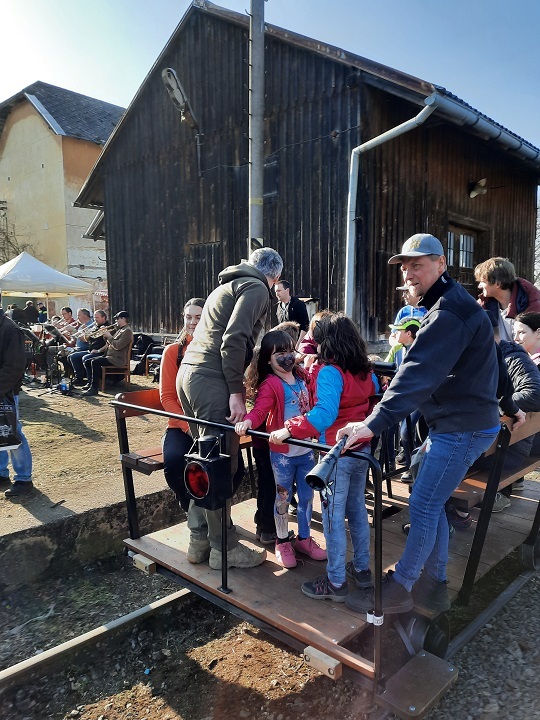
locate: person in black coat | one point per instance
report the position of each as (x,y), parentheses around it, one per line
(12,366)
(291,308)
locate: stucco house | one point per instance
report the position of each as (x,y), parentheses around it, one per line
(50,138)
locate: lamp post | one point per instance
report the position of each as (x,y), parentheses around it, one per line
(256,124)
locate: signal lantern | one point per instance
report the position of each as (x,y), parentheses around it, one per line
(207,474)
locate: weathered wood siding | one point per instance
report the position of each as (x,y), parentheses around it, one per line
(419,183)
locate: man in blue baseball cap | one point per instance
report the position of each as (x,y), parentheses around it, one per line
(450,374)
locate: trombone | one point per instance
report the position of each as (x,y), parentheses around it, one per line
(102,330)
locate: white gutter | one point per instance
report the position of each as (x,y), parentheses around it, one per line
(489,130)
(350,255)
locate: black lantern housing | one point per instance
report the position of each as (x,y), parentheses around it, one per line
(320,478)
(207,475)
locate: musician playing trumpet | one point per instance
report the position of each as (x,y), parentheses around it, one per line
(118,344)
(92,346)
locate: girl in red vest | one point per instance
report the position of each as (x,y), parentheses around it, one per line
(280,393)
(341,384)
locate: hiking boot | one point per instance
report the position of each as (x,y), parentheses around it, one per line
(406,477)
(322,589)
(457,520)
(239,556)
(501,502)
(285,555)
(309,547)
(395,598)
(198,550)
(20,487)
(266,538)
(362,578)
(518,485)
(430,595)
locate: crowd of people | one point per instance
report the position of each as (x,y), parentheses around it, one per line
(461,365)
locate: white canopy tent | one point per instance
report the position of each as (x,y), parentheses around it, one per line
(28,277)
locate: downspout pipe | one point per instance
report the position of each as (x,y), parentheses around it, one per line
(350,254)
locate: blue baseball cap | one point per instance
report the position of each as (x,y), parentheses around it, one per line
(418,245)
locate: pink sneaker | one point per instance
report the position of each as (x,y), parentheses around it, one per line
(310,548)
(285,555)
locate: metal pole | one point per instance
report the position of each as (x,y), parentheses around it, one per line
(256,124)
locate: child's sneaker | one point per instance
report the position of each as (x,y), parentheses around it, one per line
(312,549)
(285,555)
(362,578)
(322,589)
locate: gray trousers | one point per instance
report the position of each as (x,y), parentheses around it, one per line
(204,394)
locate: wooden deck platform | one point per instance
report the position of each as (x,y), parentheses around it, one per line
(273,594)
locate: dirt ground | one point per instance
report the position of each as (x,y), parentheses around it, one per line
(75,455)
(194,662)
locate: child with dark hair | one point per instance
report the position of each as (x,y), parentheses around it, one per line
(280,392)
(307,346)
(341,385)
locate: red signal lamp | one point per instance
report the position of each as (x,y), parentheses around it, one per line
(207,474)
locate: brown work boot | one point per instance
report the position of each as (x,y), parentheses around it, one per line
(239,556)
(198,550)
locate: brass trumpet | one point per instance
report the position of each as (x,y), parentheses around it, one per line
(102,330)
(85,331)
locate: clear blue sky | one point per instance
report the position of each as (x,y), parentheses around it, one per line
(485,51)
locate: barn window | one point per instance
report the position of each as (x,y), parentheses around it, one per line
(462,255)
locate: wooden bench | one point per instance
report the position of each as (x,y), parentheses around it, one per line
(483,485)
(148,460)
(472,489)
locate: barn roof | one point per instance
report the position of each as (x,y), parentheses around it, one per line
(411,88)
(66,112)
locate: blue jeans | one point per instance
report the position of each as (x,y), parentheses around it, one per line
(76,360)
(447,458)
(347,501)
(286,471)
(21,458)
(404,435)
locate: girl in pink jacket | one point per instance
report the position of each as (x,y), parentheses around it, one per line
(281,394)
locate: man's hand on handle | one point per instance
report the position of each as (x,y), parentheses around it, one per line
(237,406)
(515,421)
(357,432)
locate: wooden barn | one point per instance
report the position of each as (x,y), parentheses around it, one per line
(176,205)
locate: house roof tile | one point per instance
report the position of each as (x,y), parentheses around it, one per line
(67,112)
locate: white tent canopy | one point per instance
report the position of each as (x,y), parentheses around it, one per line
(26,276)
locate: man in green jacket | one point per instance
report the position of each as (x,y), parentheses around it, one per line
(210,384)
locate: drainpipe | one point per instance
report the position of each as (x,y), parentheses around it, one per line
(350,265)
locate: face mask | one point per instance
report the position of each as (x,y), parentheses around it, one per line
(286,362)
